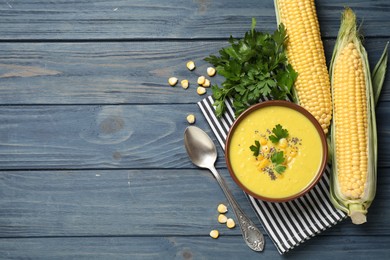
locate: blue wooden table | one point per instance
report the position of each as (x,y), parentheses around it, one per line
(92,162)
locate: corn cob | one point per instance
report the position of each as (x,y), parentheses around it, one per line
(305,53)
(350,122)
(353,131)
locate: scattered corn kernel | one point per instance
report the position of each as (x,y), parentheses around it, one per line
(191,65)
(230,223)
(214,233)
(172,81)
(191,118)
(211,71)
(222,208)
(184,83)
(206,83)
(200,90)
(201,80)
(222,218)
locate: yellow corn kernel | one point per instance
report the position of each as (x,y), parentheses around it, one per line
(214,233)
(264,149)
(305,53)
(283,143)
(200,90)
(230,223)
(184,83)
(222,218)
(211,71)
(191,119)
(263,141)
(172,81)
(222,208)
(191,65)
(206,83)
(263,163)
(201,80)
(350,121)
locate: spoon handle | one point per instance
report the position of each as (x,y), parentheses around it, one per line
(251,234)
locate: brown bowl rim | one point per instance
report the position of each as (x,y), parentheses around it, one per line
(295,107)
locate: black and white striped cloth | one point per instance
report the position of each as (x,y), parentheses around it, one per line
(290,223)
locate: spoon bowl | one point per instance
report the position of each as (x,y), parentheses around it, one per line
(200,147)
(202,152)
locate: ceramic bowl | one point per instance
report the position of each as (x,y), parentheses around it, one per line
(245,181)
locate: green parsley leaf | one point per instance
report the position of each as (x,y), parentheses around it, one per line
(277,159)
(255,148)
(280,168)
(253,24)
(255,66)
(279,133)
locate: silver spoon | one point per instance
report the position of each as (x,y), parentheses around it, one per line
(202,152)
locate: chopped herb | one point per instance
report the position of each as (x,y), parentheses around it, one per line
(279,133)
(255,148)
(253,67)
(277,159)
(280,168)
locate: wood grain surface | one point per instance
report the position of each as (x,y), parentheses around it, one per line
(112,136)
(187,247)
(143,202)
(168,19)
(116,72)
(92,161)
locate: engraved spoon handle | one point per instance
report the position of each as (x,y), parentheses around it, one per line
(251,234)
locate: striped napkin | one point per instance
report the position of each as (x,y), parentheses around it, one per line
(291,223)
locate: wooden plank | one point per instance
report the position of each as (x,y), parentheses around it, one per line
(57,137)
(169,20)
(327,247)
(122,136)
(119,203)
(115,72)
(100,73)
(140,202)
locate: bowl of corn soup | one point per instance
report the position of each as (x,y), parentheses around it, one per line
(276,151)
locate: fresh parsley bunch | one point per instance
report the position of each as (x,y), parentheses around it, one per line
(253,67)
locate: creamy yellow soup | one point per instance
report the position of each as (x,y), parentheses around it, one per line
(302,152)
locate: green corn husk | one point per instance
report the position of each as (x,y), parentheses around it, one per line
(379,73)
(357,208)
